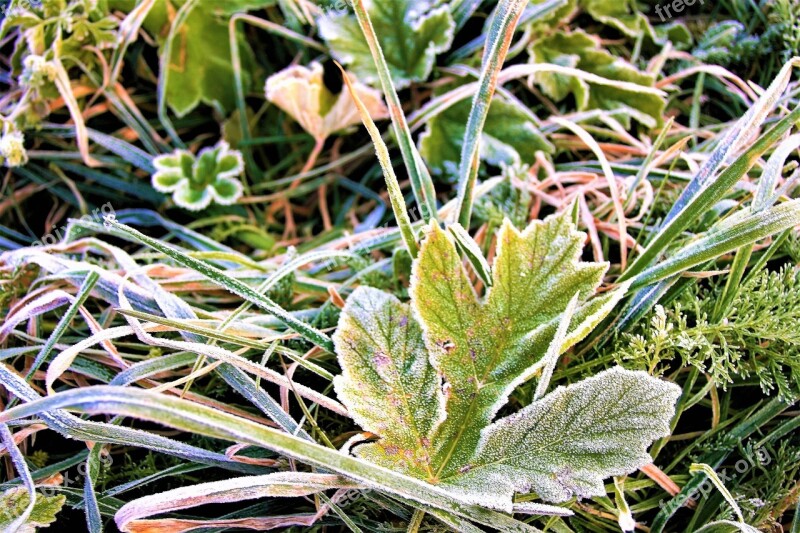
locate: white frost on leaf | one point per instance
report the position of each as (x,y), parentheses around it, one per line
(411,33)
(429,383)
(388,383)
(567,443)
(12,149)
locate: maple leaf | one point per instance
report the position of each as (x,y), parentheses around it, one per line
(428,378)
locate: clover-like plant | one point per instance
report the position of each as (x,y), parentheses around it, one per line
(429,377)
(195,181)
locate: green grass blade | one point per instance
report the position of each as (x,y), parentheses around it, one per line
(504,22)
(188,416)
(713,193)
(462,10)
(715,458)
(717,242)
(421,181)
(468,246)
(216,334)
(735,138)
(91,280)
(233,285)
(393,186)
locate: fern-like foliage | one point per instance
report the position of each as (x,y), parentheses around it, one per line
(784,17)
(758,337)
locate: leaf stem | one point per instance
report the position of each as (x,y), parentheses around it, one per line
(416,521)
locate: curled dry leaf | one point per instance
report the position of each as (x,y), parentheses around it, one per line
(301,92)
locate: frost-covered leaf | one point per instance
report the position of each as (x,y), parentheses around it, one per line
(301,92)
(675,32)
(196,181)
(410,32)
(13,503)
(509,137)
(621,14)
(394,361)
(582,51)
(484,349)
(565,444)
(12,149)
(388,384)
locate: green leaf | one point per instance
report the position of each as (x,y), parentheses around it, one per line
(485,349)
(394,363)
(200,67)
(226,191)
(388,384)
(191,198)
(582,51)
(621,14)
(409,32)
(509,136)
(14,501)
(565,444)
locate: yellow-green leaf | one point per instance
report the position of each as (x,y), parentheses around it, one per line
(387,382)
(565,444)
(485,349)
(429,378)
(13,503)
